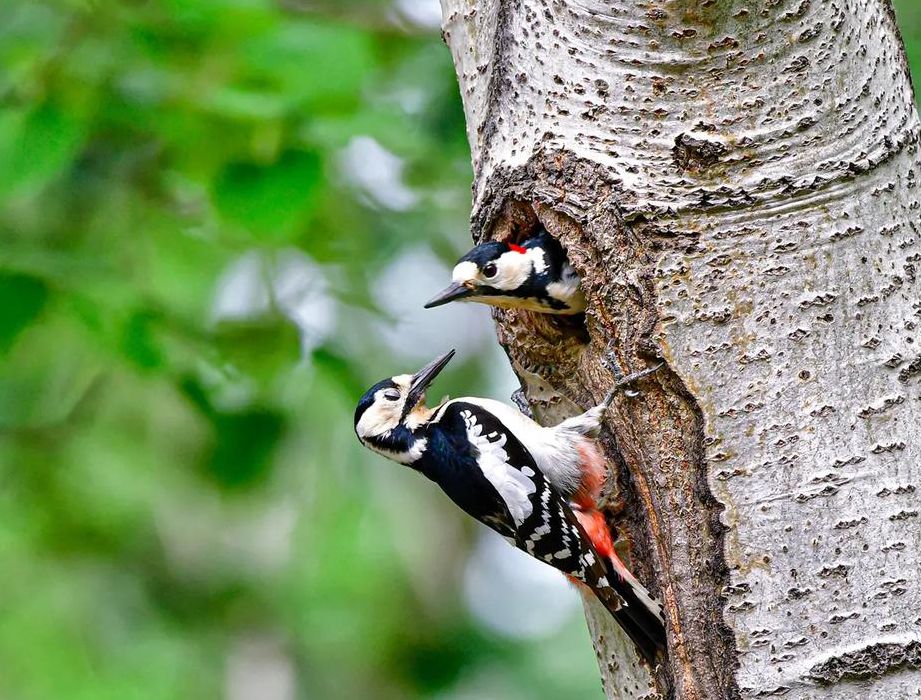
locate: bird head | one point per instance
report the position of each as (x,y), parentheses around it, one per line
(534,275)
(391,411)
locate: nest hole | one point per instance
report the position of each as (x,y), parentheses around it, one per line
(518,223)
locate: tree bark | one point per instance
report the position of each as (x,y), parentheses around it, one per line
(737,183)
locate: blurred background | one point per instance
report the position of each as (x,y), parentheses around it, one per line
(218,222)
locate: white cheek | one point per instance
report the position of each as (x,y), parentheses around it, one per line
(513,269)
(382,417)
(373,422)
(415,419)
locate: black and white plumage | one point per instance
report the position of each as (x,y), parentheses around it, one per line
(535,275)
(484,465)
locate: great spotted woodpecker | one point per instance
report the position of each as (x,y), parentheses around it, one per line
(518,478)
(534,275)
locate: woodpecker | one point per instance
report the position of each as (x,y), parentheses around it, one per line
(516,477)
(534,275)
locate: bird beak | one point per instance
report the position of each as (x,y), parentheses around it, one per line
(457,290)
(424,377)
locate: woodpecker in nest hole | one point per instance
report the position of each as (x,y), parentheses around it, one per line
(536,486)
(534,275)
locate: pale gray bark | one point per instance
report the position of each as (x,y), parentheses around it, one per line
(737,182)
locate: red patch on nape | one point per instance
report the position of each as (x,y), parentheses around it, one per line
(517,248)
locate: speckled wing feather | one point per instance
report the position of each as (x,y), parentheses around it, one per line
(545,527)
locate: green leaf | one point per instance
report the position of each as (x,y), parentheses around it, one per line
(46,375)
(269,201)
(245,442)
(322,66)
(259,348)
(35,147)
(139,343)
(237,103)
(23,297)
(343,372)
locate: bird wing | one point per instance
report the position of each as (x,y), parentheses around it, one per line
(546,528)
(512,479)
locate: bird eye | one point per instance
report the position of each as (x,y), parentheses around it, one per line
(392,395)
(489,270)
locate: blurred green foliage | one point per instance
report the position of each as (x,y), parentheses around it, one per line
(178,488)
(181,493)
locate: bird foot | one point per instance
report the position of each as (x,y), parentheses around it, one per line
(610,361)
(623,381)
(521,402)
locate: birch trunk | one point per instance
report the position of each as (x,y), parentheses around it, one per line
(737,183)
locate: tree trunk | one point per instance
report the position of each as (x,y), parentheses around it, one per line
(737,183)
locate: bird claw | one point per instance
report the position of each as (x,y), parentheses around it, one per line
(623,381)
(630,378)
(521,401)
(610,361)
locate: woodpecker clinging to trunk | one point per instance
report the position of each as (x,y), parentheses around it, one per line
(516,477)
(534,275)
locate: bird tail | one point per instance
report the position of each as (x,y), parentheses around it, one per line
(637,614)
(626,598)
(642,616)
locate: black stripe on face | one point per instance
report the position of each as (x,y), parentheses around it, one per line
(398,440)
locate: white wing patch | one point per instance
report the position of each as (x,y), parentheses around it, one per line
(513,485)
(538,259)
(568,289)
(554,450)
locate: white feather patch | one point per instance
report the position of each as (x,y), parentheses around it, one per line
(538,259)
(555,450)
(413,454)
(513,485)
(464,272)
